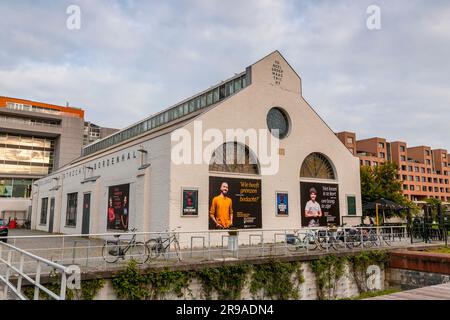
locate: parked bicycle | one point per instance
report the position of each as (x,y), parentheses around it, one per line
(307,241)
(160,245)
(331,237)
(113,250)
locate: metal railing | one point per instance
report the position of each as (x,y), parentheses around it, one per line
(198,246)
(12,275)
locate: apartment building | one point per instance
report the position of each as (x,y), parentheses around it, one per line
(425,173)
(93,132)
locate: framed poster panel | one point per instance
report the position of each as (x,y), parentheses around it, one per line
(189,202)
(118,207)
(282,204)
(234,203)
(319,204)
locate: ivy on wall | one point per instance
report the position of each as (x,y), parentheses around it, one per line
(277,280)
(226,281)
(88,290)
(274,280)
(360,262)
(328,271)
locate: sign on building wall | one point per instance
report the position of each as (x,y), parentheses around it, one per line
(282,208)
(319,204)
(190,202)
(118,204)
(234,203)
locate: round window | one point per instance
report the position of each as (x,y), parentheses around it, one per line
(277,119)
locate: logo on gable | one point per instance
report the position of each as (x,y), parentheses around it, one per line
(277,72)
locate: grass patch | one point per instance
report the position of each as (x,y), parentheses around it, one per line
(440,250)
(372,294)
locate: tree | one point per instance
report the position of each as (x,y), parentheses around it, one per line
(381,182)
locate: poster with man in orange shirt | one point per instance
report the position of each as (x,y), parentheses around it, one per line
(221,212)
(234,203)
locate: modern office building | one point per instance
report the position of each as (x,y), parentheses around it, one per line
(35,139)
(425,173)
(93,132)
(166,170)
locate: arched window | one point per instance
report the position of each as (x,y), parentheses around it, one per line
(317,166)
(235,158)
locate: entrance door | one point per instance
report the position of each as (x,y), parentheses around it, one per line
(52,215)
(86,213)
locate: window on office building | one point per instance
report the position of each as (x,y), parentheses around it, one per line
(417,179)
(410,168)
(405,187)
(402,148)
(411,178)
(411,188)
(380,145)
(404,177)
(416,169)
(71,213)
(402,158)
(422,170)
(367,163)
(428,161)
(382,155)
(350,140)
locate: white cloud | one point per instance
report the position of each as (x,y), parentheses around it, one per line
(132,58)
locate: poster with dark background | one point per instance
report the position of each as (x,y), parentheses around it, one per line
(246,200)
(118,204)
(327,198)
(190,202)
(282,204)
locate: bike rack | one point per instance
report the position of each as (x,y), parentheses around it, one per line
(203,244)
(235,252)
(75,243)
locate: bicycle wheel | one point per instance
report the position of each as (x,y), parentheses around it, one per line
(110,252)
(176,245)
(325,243)
(337,244)
(153,248)
(295,246)
(138,252)
(311,243)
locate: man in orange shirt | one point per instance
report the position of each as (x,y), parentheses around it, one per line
(221,211)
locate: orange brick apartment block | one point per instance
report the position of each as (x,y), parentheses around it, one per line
(425,173)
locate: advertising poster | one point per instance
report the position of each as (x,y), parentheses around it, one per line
(319,204)
(282,204)
(234,203)
(118,204)
(190,202)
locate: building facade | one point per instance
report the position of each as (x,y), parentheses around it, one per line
(93,132)
(424,173)
(35,139)
(151,176)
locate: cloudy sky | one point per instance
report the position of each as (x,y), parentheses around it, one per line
(131,58)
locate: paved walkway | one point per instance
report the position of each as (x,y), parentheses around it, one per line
(438,292)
